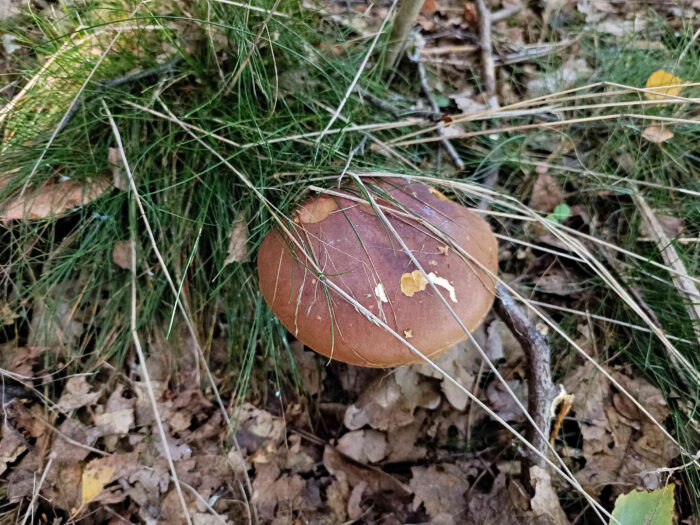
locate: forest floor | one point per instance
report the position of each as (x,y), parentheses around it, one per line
(144,378)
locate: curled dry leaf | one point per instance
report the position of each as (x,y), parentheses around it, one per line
(389,402)
(657,133)
(121,254)
(461,362)
(12,445)
(53,199)
(119,176)
(238,243)
(546,194)
(622,446)
(364,446)
(77,394)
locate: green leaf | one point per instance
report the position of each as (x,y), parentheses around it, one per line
(645,508)
(441,101)
(560,213)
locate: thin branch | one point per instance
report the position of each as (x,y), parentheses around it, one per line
(487,64)
(428,90)
(37,489)
(405,19)
(540,389)
(134,332)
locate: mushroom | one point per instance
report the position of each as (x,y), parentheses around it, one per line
(343,237)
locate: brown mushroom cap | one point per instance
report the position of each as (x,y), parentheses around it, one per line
(353,249)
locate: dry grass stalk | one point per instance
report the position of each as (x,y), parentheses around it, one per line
(681,279)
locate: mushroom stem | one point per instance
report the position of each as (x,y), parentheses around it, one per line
(541,390)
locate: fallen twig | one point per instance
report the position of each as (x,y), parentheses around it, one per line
(487,64)
(406,14)
(488,76)
(456,159)
(541,390)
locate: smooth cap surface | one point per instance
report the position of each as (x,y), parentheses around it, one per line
(353,249)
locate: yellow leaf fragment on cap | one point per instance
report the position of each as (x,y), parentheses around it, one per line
(317,211)
(408,334)
(659,82)
(437,193)
(413,282)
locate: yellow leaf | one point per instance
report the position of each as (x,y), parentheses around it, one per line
(659,82)
(94,480)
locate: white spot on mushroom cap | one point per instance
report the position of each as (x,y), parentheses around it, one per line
(441,281)
(379,292)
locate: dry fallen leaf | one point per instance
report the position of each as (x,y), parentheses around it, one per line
(12,445)
(238,243)
(659,81)
(77,394)
(470,15)
(53,199)
(461,362)
(622,447)
(389,402)
(119,176)
(121,254)
(657,133)
(364,446)
(546,194)
(439,488)
(94,480)
(670,225)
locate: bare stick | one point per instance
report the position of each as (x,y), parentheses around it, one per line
(487,64)
(540,389)
(488,76)
(37,489)
(406,14)
(428,90)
